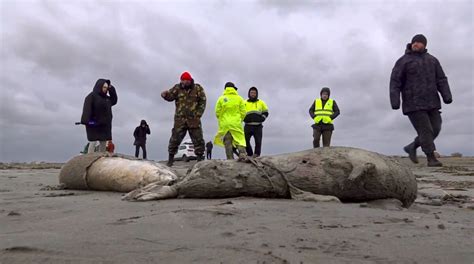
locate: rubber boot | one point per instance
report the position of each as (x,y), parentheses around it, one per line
(432,161)
(411,150)
(242,153)
(170,160)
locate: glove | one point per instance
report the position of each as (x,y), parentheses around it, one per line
(395,107)
(448,101)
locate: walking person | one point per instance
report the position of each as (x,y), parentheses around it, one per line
(209,147)
(323,111)
(419,78)
(230,112)
(190,101)
(256,113)
(97,114)
(140,138)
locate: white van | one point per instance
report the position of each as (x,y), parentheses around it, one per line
(185,152)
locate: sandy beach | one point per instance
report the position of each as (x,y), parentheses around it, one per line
(41,225)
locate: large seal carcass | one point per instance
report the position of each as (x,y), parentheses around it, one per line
(112,172)
(350,174)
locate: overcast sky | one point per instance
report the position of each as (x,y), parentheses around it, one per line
(52,53)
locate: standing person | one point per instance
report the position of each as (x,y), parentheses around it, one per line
(97,114)
(323,111)
(230,112)
(256,114)
(418,76)
(209,147)
(140,138)
(190,101)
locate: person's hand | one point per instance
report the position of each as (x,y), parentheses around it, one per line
(164,93)
(395,107)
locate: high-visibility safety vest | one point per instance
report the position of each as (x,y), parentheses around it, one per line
(258,108)
(323,114)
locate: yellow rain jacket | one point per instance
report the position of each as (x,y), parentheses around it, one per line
(230,112)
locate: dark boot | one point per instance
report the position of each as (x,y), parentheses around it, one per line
(432,161)
(200,158)
(411,150)
(170,160)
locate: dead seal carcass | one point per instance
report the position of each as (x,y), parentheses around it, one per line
(112,172)
(350,174)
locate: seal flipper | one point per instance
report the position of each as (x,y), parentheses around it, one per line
(359,171)
(152,191)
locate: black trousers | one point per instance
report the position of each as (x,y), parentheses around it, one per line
(137,150)
(256,132)
(317,132)
(209,155)
(427,125)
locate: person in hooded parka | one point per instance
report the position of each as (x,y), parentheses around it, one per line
(97,114)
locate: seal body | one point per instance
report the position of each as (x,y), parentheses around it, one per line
(350,174)
(106,172)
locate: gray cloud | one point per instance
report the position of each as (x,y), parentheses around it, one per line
(52,52)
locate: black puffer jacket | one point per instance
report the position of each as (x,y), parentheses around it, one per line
(98,108)
(418,77)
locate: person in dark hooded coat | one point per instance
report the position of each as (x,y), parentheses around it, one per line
(323,111)
(256,113)
(97,114)
(140,138)
(419,78)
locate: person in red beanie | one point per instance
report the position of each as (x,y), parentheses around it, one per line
(190,101)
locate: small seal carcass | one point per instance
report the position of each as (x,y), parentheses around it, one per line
(112,172)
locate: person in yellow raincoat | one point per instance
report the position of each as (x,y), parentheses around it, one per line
(230,112)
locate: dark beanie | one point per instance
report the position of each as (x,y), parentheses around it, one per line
(325,89)
(419,38)
(230,84)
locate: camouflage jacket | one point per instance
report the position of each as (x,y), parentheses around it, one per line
(190,104)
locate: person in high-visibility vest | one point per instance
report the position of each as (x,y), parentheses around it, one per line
(230,112)
(257,113)
(323,111)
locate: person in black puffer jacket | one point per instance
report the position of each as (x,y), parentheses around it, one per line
(97,114)
(419,78)
(140,138)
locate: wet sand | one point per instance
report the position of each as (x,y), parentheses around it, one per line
(41,225)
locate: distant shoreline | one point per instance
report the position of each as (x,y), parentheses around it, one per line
(30,165)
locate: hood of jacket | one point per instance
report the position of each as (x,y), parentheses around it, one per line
(327,90)
(98,86)
(253,99)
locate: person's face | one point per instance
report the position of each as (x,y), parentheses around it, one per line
(185,82)
(324,96)
(417,46)
(105,88)
(253,94)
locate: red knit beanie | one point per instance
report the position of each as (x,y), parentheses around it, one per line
(186,76)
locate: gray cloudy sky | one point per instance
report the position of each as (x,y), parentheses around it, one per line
(52,52)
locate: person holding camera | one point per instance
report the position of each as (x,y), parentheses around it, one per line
(97,114)
(140,138)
